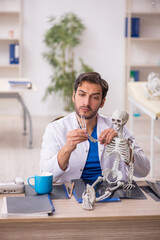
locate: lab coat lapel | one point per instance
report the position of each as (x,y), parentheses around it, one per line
(75,123)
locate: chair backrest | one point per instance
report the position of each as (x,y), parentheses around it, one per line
(57,118)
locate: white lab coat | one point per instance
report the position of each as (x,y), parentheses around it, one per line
(55,137)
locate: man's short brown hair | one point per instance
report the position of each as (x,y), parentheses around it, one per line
(92,77)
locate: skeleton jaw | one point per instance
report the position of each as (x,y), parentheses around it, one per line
(117,127)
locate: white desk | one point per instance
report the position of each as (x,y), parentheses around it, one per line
(7,92)
(149,107)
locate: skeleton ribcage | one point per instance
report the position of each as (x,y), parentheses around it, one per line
(119,146)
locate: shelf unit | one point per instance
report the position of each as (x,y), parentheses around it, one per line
(143,52)
(10,33)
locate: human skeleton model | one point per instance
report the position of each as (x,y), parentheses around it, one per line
(120,147)
(152,87)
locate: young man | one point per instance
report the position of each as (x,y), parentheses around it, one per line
(67,151)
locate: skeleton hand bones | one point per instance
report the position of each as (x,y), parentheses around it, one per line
(107,135)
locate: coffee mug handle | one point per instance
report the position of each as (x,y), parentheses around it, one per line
(29,182)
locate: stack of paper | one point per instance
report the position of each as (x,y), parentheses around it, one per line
(20,84)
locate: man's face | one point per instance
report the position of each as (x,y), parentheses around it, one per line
(88,99)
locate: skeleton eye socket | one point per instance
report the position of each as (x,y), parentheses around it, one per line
(113,120)
(118,120)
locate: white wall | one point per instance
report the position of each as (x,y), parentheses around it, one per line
(102,47)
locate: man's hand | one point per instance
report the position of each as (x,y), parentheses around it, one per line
(107,135)
(74,137)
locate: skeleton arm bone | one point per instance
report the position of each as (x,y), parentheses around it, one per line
(129,185)
(99,179)
(109,191)
(130,175)
(141,162)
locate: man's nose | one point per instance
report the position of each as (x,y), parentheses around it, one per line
(87,100)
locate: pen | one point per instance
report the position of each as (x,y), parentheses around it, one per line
(70,194)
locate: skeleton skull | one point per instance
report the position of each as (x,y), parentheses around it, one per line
(119,118)
(154,83)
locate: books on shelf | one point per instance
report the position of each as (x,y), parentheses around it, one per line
(135,27)
(20,84)
(39,205)
(134,75)
(14,53)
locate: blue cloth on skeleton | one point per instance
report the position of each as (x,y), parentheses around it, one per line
(92,169)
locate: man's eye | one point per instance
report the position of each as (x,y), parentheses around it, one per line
(81,94)
(96,98)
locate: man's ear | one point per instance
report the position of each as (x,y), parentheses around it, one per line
(73,97)
(103,102)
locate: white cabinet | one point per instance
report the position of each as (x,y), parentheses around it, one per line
(143,52)
(10,33)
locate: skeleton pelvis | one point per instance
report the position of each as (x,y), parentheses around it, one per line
(112,176)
